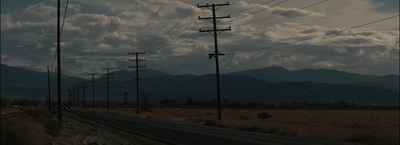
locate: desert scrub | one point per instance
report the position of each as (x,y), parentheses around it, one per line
(28,127)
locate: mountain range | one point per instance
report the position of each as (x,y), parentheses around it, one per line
(269,85)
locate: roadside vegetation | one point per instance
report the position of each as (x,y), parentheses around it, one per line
(356,126)
(332,121)
(28,126)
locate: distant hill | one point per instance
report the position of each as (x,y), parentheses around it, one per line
(278,74)
(25,83)
(124,75)
(244,89)
(14,76)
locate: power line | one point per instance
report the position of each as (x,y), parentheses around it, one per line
(176,57)
(230,4)
(65,14)
(314,4)
(252,7)
(330,33)
(160,42)
(256,12)
(189,65)
(141,30)
(174,37)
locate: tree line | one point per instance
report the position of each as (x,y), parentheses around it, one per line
(146,104)
(203,104)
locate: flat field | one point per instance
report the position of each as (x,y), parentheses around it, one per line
(359,126)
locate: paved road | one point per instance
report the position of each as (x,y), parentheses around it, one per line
(192,134)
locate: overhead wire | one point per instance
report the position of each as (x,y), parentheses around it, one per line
(305,39)
(308,6)
(176,57)
(326,34)
(65,14)
(252,7)
(256,12)
(160,42)
(175,36)
(176,33)
(189,65)
(62,28)
(142,29)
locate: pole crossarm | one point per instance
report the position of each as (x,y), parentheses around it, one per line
(200,18)
(93,86)
(211,55)
(137,66)
(108,85)
(218,30)
(137,52)
(216,53)
(136,59)
(216,5)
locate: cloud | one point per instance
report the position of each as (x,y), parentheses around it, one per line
(6,22)
(100,33)
(316,35)
(296,46)
(95,26)
(386,6)
(294,12)
(40,9)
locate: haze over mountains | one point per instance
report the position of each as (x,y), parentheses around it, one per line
(269,85)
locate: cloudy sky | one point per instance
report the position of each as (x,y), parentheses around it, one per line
(359,36)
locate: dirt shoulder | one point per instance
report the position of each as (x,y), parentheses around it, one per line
(38,126)
(79,131)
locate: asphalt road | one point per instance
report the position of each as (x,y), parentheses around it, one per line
(192,134)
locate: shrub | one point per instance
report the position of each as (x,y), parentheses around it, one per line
(263,115)
(53,127)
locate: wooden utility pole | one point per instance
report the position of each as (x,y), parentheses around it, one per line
(108,86)
(216,52)
(93,86)
(84,94)
(73,97)
(48,87)
(77,92)
(58,62)
(137,76)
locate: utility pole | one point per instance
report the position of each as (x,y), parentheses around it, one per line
(93,86)
(58,62)
(108,86)
(137,76)
(84,94)
(69,98)
(77,92)
(48,87)
(216,53)
(73,97)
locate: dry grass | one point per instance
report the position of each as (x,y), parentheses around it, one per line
(28,127)
(360,126)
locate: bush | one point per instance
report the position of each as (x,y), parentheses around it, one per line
(263,115)
(21,129)
(53,127)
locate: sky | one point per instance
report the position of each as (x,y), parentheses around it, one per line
(357,36)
